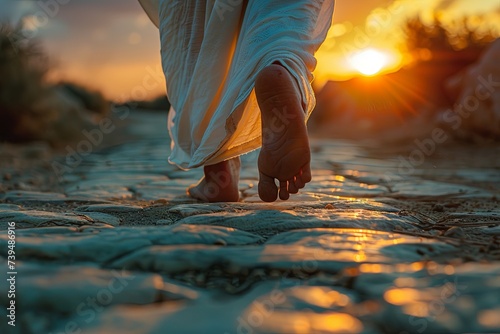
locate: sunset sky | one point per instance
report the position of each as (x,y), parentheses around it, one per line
(111,45)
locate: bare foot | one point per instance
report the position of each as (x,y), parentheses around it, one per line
(285,153)
(220,183)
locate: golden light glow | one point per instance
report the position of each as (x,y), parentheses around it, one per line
(406,282)
(489,318)
(417,266)
(369,62)
(401,296)
(338,323)
(417,309)
(449,270)
(339,178)
(321,297)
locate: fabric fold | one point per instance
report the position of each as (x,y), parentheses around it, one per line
(212,52)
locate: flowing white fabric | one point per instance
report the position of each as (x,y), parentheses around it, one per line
(151,7)
(212,51)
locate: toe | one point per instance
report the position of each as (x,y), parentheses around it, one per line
(268,192)
(292,186)
(306,174)
(284,195)
(299,183)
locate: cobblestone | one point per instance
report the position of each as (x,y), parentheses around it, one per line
(356,252)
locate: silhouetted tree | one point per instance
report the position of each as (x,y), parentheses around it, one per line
(30,107)
(22,80)
(91,100)
(438,38)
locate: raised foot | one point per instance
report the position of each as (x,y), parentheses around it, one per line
(220,183)
(285,153)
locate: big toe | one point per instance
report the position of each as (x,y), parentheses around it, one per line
(268,191)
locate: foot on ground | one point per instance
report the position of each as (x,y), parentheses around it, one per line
(220,183)
(285,153)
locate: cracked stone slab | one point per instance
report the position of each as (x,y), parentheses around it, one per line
(360,245)
(309,250)
(105,193)
(169,190)
(372,177)
(182,258)
(108,208)
(37,218)
(493,215)
(479,175)
(427,188)
(85,291)
(271,307)
(492,230)
(151,193)
(187,210)
(274,221)
(424,298)
(112,243)
(63,288)
(18,196)
(9,207)
(318,258)
(103,218)
(100,181)
(436,298)
(340,186)
(60,230)
(100,169)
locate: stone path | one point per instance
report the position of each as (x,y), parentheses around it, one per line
(117,247)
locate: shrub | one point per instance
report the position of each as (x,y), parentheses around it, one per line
(30,107)
(22,84)
(91,100)
(439,38)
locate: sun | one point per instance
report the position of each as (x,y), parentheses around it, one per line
(369,62)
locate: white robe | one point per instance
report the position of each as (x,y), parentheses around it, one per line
(212,51)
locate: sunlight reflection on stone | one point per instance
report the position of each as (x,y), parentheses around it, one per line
(406,282)
(339,298)
(416,309)
(373,268)
(490,318)
(339,178)
(302,322)
(360,257)
(449,270)
(416,266)
(493,282)
(353,172)
(338,323)
(369,186)
(319,296)
(401,296)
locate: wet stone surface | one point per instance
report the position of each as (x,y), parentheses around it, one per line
(117,246)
